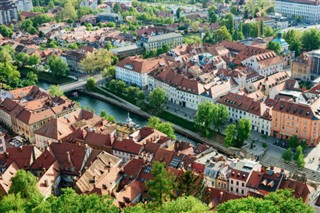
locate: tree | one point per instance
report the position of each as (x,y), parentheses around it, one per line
(27,25)
(54,90)
(108,45)
(31,79)
(219,116)
(287,155)
(221,35)
(203,118)
(275,46)
(243,131)
(293,141)
(268,31)
(120,86)
(91,84)
(117,8)
(189,184)
(9,75)
(228,21)
(230,133)
(22,59)
(161,185)
(25,184)
(279,201)
(311,39)
(164,127)
(5,31)
(97,60)
(57,66)
(51,5)
(184,204)
(299,158)
(178,11)
(5,56)
(69,12)
(109,72)
(261,28)
(157,98)
(69,201)
(34,60)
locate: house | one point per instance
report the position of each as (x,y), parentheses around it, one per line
(156,42)
(265,64)
(126,149)
(74,57)
(102,165)
(134,70)
(237,182)
(296,119)
(241,106)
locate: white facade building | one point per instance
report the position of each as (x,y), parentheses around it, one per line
(265,64)
(240,106)
(134,70)
(309,10)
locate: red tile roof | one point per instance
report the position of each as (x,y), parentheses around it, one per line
(44,161)
(239,175)
(300,190)
(128,146)
(22,156)
(294,109)
(54,129)
(163,155)
(97,139)
(141,65)
(71,157)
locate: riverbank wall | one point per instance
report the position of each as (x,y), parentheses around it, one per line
(136,110)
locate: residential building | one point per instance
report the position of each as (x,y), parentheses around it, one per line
(8,12)
(238,181)
(74,57)
(309,10)
(155,42)
(24,5)
(101,166)
(31,107)
(265,64)
(130,50)
(315,61)
(297,119)
(126,149)
(241,106)
(105,17)
(134,70)
(3,147)
(300,68)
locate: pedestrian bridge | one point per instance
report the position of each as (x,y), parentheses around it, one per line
(80,83)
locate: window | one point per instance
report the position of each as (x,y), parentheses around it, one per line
(231,189)
(242,184)
(231,181)
(237,183)
(242,191)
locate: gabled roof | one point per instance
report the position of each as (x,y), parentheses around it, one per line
(300,190)
(128,146)
(163,155)
(103,164)
(54,129)
(98,139)
(140,65)
(70,157)
(6,177)
(44,161)
(22,156)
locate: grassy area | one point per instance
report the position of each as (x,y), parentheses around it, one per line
(47,77)
(177,120)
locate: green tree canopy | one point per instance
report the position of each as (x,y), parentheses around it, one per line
(91,84)
(5,31)
(164,127)
(230,133)
(157,98)
(275,46)
(275,202)
(311,39)
(57,66)
(54,90)
(161,186)
(97,61)
(287,155)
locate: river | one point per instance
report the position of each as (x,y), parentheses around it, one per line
(118,113)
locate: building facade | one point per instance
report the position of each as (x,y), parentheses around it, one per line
(296,119)
(307,9)
(8,12)
(156,42)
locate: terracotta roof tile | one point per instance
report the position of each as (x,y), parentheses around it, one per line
(128,146)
